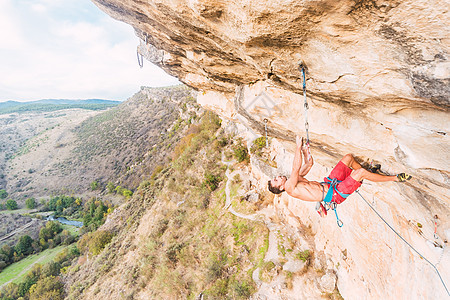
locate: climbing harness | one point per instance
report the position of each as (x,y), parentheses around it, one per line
(265,129)
(305,105)
(329,203)
(421,256)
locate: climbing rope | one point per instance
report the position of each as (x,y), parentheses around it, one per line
(305,105)
(437,271)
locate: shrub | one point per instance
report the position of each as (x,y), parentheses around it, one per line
(304,255)
(241,152)
(216,267)
(110,187)
(222,142)
(3,194)
(94,185)
(210,122)
(219,289)
(119,190)
(212,181)
(242,289)
(182,145)
(258,145)
(172,252)
(160,228)
(127,193)
(95,242)
(289,279)
(156,171)
(265,271)
(30,203)
(11,204)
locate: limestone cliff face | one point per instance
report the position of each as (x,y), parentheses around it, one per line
(378,86)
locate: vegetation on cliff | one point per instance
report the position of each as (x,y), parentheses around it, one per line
(176,236)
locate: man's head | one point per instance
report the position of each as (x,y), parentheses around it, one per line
(276,185)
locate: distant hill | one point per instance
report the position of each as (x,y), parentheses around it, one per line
(47,105)
(64,152)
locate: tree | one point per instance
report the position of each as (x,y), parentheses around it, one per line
(54,227)
(51,269)
(3,265)
(47,288)
(3,194)
(7,253)
(11,204)
(10,291)
(24,246)
(48,232)
(100,213)
(30,203)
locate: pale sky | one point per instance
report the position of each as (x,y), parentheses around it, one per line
(69,49)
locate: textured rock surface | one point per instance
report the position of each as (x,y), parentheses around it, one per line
(328,282)
(378,85)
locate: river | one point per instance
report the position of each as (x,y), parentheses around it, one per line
(63,220)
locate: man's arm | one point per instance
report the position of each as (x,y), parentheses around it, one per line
(309,162)
(297,164)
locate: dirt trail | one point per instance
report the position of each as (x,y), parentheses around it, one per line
(16,231)
(272,252)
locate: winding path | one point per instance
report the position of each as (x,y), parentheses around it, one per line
(272,251)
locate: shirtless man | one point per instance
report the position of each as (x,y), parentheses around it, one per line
(347,170)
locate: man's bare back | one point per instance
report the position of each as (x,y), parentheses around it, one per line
(306,190)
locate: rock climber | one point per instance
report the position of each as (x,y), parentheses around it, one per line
(347,170)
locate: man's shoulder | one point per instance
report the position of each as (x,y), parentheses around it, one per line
(291,184)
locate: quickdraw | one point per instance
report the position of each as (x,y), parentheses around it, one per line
(140,59)
(306,106)
(435,227)
(265,130)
